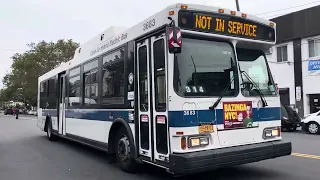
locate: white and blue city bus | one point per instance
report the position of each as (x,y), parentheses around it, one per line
(189,89)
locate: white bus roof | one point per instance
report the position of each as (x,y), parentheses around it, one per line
(116,36)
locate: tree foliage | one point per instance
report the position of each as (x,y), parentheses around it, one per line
(21,83)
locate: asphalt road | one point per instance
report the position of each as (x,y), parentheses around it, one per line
(26,154)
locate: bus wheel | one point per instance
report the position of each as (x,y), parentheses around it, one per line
(123,152)
(50,136)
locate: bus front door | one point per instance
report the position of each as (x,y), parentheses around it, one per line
(152,100)
(62,105)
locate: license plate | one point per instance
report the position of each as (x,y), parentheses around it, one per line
(206,129)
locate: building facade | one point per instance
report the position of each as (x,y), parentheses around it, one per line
(295,60)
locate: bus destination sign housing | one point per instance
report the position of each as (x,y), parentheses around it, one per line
(229,25)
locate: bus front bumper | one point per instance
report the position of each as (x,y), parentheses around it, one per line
(195,162)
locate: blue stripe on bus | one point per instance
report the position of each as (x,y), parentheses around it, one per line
(176,118)
(97,115)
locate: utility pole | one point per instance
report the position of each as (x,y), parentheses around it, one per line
(237,3)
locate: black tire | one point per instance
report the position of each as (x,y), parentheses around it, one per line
(313,128)
(50,135)
(124,158)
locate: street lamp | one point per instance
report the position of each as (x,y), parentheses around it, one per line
(237,4)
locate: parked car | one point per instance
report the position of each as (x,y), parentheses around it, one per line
(311,123)
(290,119)
(31,112)
(8,111)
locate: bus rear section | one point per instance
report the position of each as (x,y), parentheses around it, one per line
(224,109)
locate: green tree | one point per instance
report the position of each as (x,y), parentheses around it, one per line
(22,83)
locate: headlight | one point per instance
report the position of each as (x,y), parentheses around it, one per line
(271,132)
(197,141)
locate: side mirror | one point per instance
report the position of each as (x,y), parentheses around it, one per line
(174,39)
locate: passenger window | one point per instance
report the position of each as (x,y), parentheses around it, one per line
(43,94)
(74,87)
(74,90)
(74,71)
(90,65)
(113,78)
(52,99)
(143,79)
(91,87)
(159,75)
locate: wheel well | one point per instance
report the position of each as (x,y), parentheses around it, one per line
(112,135)
(313,122)
(117,124)
(46,124)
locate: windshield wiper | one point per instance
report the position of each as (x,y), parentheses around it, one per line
(215,104)
(194,78)
(264,102)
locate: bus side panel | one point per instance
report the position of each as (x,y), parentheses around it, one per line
(93,124)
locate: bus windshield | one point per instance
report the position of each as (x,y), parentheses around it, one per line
(204,68)
(254,64)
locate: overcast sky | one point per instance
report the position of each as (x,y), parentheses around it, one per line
(25,21)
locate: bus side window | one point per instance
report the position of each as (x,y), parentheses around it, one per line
(159,75)
(43,94)
(143,79)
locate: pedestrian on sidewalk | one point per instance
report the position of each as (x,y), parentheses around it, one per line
(16,111)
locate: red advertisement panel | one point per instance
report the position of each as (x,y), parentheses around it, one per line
(237,114)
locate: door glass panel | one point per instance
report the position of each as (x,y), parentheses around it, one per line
(159,75)
(160,120)
(144,95)
(143,79)
(61,89)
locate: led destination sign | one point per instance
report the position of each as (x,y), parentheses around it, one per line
(225,25)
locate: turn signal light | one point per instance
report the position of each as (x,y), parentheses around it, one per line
(244,15)
(233,12)
(221,10)
(171,12)
(183,143)
(184,7)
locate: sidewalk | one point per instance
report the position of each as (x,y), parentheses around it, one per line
(26,117)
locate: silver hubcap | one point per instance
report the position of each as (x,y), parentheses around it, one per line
(313,128)
(123,149)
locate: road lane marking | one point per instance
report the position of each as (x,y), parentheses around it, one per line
(306,155)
